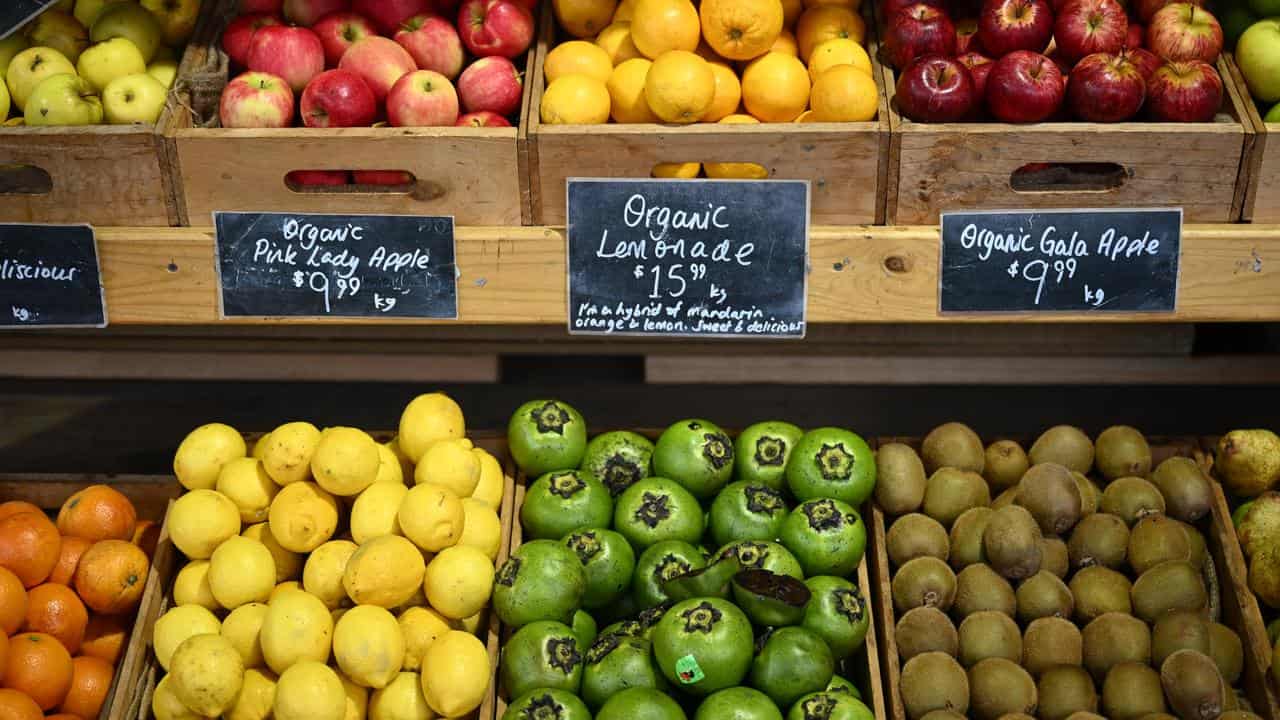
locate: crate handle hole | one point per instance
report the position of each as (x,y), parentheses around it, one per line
(24,180)
(1068,177)
(374,182)
(691,170)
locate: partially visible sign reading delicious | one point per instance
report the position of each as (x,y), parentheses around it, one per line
(15,13)
(49,277)
(279,264)
(1063,261)
(688,257)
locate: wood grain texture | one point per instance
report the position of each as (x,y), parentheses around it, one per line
(1261,201)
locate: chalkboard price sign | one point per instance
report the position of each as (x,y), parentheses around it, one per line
(15,13)
(707,258)
(1061,261)
(49,277)
(299,265)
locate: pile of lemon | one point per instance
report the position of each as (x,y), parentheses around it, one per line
(331,577)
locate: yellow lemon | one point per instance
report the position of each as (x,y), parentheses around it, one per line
(200,520)
(844,94)
(389,468)
(302,517)
(826,22)
(626,92)
(297,628)
(481,528)
(775,88)
(401,699)
(322,575)
(459,581)
(838,51)
(283,587)
(419,596)
(431,516)
(259,447)
(368,646)
(806,117)
(492,481)
(426,419)
(176,625)
(450,464)
(243,627)
(472,624)
(575,100)
(257,695)
(420,626)
(346,461)
(680,87)
(357,700)
(191,586)
(737,170)
(583,18)
(385,571)
(166,706)
(658,26)
(406,462)
(288,452)
(241,571)
(203,452)
(457,674)
(374,512)
(616,42)
(728,93)
(678,171)
(791,10)
(706,52)
(207,674)
(741,29)
(288,564)
(625,11)
(309,691)
(577,57)
(245,482)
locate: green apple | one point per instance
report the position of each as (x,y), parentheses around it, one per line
(4,101)
(1273,115)
(60,31)
(109,60)
(1258,55)
(164,71)
(65,5)
(128,20)
(177,18)
(29,67)
(9,47)
(63,100)
(87,11)
(134,99)
(1235,19)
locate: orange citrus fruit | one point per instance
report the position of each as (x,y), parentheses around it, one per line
(111,576)
(775,88)
(98,512)
(90,683)
(844,94)
(56,610)
(29,545)
(825,22)
(838,51)
(68,559)
(737,170)
(580,57)
(616,42)
(680,87)
(791,10)
(728,93)
(575,100)
(13,603)
(626,92)
(741,29)
(104,638)
(39,666)
(15,705)
(677,171)
(625,11)
(661,25)
(584,18)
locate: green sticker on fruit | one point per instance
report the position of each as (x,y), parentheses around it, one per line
(688,671)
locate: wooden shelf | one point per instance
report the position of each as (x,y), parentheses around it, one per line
(860,274)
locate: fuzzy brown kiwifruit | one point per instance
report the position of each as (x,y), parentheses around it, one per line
(979,588)
(1130,498)
(1155,539)
(1065,690)
(1050,493)
(953,445)
(1011,542)
(900,479)
(1239,715)
(1158,716)
(923,582)
(916,535)
(1016,716)
(1085,716)
(1043,595)
(1099,539)
(1193,685)
(1195,539)
(1090,495)
(1178,630)
(1121,451)
(1054,557)
(1008,497)
(1065,445)
(989,634)
(925,629)
(1049,642)
(1112,639)
(1006,461)
(1172,585)
(966,537)
(933,681)
(950,491)
(1227,652)
(1099,590)
(998,687)
(1131,691)
(1187,493)
(943,715)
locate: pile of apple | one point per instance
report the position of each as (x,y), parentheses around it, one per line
(86,62)
(1258,55)
(1028,61)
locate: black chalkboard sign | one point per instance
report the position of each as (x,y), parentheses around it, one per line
(299,265)
(49,277)
(15,13)
(1061,261)
(707,258)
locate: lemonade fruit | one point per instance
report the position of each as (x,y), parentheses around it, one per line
(200,520)
(309,691)
(385,571)
(459,581)
(575,100)
(420,626)
(322,575)
(178,624)
(844,94)
(737,170)
(583,18)
(820,24)
(243,627)
(677,171)
(206,674)
(374,512)
(241,571)
(297,628)
(302,517)
(204,451)
(775,88)
(659,26)
(451,464)
(431,516)
(426,419)
(288,452)
(368,645)
(728,93)
(457,674)
(616,42)
(680,87)
(578,57)
(741,29)
(346,461)
(245,482)
(838,51)
(626,92)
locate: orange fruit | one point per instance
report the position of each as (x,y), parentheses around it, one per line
(680,87)
(13,507)
(13,603)
(111,576)
(775,88)
(68,558)
(825,22)
(728,93)
(741,29)
(4,652)
(626,92)
(17,706)
(736,170)
(786,43)
(661,25)
(577,56)
(584,18)
(677,171)
(98,512)
(64,716)
(104,638)
(56,610)
(616,42)
(40,667)
(29,545)
(791,10)
(146,535)
(838,51)
(844,94)
(90,683)
(575,100)
(625,11)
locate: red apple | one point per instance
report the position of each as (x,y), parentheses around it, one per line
(979,67)
(339,31)
(293,53)
(381,177)
(1146,61)
(915,31)
(433,43)
(1024,87)
(271,7)
(484,118)
(256,100)
(307,12)
(495,27)
(1008,25)
(338,98)
(1106,88)
(1182,31)
(1147,9)
(1056,56)
(492,84)
(889,8)
(1188,91)
(421,99)
(389,14)
(1136,36)
(935,89)
(238,36)
(318,178)
(1085,27)
(967,36)
(380,61)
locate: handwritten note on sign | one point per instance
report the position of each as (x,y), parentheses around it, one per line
(292,265)
(49,277)
(715,258)
(1060,261)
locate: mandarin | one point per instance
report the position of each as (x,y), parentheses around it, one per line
(29,545)
(68,559)
(56,610)
(13,602)
(39,666)
(112,576)
(98,512)
(104,637)
(15,705)
(90,683)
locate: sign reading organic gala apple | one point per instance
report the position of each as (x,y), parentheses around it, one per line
(49,277)
(301,265)
(15,13)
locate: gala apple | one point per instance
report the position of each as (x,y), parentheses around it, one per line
(495,27)
(380,61)
(293,53)
(492,84)
(256,100)
(339,31)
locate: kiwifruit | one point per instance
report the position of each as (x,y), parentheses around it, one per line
(1130,691)
(916,535)
(978,588)
(950,491)
(933,681)
(966,537)
(1006,462)
(901,479)
(1193,685)
(1085,716)
(1114,638)
(1187,495)
(1099,539)
(943,715)
(1227,652)
(1199,551)
(1050,642)
(1099,590)
(1054,557)
(1230,700)
(1090,495)
(1011,542)
(1065,690)
(1242,700)
(1016,716)
(923,582)
(1155,539)
(925,629)
(989,634)
(1238,715)
(1043,595)
(1008,497)
(1121,451)
(1178,630)
(953,445)
(1065,445)
(1130,498)
(998,686)
(1172,585)
(1158,716)
(1051,494)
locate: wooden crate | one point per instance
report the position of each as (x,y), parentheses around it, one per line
(473,174)
(1228,564)
(845,163)
(1261,171)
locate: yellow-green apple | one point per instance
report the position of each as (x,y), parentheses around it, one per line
(339,31)
(935,89)
(65,5)
(131,21)
(499,27)
(433,43)
(273,7)
(1182,31)
(293,53)
(87,11)
(338,98)
(1008,25)
(307,12)
(1024,87)
(4,100)
(381,177)
(484,118)
(256,100)
(177,18)
(1105,88)
(491,83)
(109,60)
(389,14)
(238,36)
(1258,55)
(63,99)
(60,31)
(1085,27)
(165,71)
(134,99)
(422,98)
(318,178)
(917,30)
(31,66)
(1188,91)
(380,61)
(9,47)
